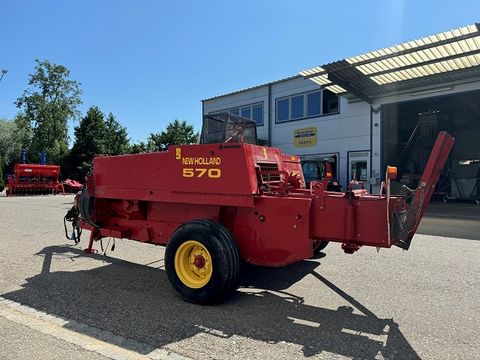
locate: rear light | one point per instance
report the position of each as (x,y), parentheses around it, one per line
(392,172)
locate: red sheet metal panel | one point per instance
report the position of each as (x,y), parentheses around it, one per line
(275,232)
(220,174)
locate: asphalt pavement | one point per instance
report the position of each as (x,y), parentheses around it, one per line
(452,219)
(21,342)
(58,302)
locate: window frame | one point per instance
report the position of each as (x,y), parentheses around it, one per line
(305,106)
(321,157)
(319,104)
(240,107)
(291,107)
(276,108)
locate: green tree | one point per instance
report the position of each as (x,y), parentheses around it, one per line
(89,142)
(116,137)
(8,147)
(49,102)
(22,133)
(14,136)
(138,148)
(176,133)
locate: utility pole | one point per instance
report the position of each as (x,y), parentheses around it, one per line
(4,71)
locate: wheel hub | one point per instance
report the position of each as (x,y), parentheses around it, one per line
(193,264)
(199,261)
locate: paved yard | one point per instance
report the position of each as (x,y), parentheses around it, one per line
(423,303)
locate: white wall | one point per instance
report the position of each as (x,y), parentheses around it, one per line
(348,130)
(339,133)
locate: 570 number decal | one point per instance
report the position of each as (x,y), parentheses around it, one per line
(212,173)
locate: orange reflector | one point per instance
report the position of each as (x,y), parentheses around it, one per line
(329,174)
(391,172)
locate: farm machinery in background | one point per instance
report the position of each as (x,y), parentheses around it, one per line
(72,186)
(34,179)
(38,179)
(228,199)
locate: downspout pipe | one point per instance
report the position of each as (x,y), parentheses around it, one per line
(371,147)
(269,115)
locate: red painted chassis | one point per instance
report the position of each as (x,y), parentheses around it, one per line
(257,193)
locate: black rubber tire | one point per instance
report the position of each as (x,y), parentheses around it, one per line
(225,260)
(323,245)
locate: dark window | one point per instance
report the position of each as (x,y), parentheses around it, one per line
(300,106)
(247,112)
(283,110)
(313,104)
(257,113)
(234,111)
(297,107)
(330,102)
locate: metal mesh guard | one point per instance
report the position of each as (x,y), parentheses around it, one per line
(226,127)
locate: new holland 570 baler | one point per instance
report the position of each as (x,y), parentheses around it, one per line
(215,203)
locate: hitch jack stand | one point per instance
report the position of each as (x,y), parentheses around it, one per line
(94,235)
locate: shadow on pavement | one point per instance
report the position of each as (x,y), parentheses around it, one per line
(137,302)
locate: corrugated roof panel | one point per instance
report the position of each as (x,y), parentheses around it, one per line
(414,43)
(430,69)
(393,79)
(436,52)
(312,71)
(470,44)
(430,54)
(398,76)
(367,69)
(381,80)
(473,43)
(437,79)
(321,80)
(457,48)
(405,61)
(467,62)
(443,67)
(432,57)
(337,89)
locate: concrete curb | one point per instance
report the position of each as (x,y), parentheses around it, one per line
(87,337)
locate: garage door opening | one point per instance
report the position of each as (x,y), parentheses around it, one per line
(409,132)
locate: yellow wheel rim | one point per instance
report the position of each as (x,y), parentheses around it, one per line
(193,264)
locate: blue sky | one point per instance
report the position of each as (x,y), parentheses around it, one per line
(149,62)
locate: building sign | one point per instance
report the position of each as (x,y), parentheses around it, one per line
(305,137)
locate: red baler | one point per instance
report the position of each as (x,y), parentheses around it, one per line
(213,204)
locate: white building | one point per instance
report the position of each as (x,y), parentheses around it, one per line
(381,107)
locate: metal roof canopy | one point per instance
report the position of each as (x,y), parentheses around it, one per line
(448,56)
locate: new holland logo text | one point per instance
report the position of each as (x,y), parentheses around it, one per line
(198,172)
(201,161)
